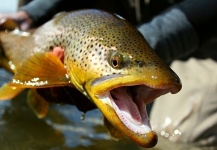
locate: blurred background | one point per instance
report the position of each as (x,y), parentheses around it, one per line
(9,6)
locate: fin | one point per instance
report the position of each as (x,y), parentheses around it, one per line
(114,133)
(40,70)
(8,92)
(38,104)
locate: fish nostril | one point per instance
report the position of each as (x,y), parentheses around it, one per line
(141,64)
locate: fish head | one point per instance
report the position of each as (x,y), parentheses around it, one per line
(121,74)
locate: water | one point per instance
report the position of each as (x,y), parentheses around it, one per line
(62,129)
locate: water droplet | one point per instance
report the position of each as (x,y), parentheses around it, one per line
(82,116)
(167,135)
(162,133)
(177,132)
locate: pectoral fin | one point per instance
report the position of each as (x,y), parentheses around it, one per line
(8,92)
(114,133)
(38,104)
(42,69)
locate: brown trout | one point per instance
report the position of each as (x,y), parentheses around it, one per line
(101,55)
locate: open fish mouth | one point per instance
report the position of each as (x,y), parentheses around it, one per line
(129,103)
(122,99)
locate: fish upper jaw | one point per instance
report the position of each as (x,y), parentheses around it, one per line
(107,83)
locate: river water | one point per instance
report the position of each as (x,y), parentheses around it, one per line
(62,129)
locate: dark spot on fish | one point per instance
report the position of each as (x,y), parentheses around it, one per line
(51,48)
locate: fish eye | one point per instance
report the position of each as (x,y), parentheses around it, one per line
(115,62)
(118,61)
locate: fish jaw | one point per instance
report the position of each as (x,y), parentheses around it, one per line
(122,99)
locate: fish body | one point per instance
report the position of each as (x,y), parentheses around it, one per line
(106,59)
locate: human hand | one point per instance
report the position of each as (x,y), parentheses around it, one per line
(21,17)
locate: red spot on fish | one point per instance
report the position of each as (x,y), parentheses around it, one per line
(59,52)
